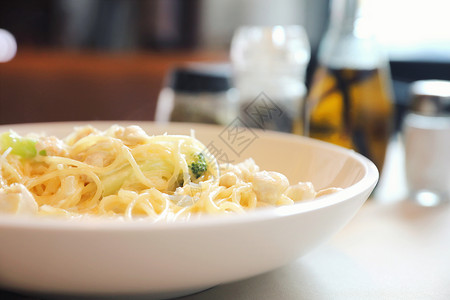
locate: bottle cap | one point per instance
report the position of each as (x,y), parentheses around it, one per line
(430,97)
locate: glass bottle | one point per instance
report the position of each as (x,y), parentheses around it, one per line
(269,65)
(349,102)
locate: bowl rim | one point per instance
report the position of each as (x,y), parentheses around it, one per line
(94,224)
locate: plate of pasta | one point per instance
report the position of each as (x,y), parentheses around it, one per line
(132,208)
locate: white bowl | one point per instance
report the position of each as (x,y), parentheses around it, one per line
(104,257)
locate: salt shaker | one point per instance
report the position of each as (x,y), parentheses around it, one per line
(426,132)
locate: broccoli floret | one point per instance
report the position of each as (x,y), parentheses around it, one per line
(199,165)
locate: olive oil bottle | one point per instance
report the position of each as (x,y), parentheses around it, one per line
(349,102)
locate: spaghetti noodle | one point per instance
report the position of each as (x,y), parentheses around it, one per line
(125,172)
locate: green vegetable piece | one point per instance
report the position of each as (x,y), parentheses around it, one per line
(199,166)
(20,146)
(43,153)
(114,181)
(124,174)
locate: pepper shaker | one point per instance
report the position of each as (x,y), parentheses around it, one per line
(199,93)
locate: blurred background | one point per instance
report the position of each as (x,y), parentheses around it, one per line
(108,59)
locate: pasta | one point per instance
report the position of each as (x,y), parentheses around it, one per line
(125,172)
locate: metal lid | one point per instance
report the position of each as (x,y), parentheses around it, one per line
(430,97)
(198,78)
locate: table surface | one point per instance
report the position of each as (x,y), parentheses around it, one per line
(392,249)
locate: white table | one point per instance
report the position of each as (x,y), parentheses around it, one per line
(388,251)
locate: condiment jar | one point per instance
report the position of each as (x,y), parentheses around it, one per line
(198,93)
(426,130)
(269,65)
